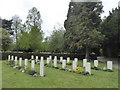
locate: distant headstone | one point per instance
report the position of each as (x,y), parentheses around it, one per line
(55,62)
(48,60)
(109,65)
(63,64)
(50,57)
(36,58)
(84,62)
(74,65)
(33,65)
(55,57)
(61,59)
(12,58)
(32,57)
(42,69)
(8,57)
(88,67)
(76,59)
(26,63)
(20,61)
(41,59)
(15,60)
(95,63)
(68,59)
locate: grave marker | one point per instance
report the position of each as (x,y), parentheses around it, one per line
(109,65)
(63,64)
(36,58)
(12,58)
(42,69)
(68,59)
(15,60)
(55,62)
(95,63)
(84,62)
(41,59)
(8,57)
(33,65)
(88,67)
(20,61)
(74,65)
(26,63)
(61,58)
(32,57)
(48,60)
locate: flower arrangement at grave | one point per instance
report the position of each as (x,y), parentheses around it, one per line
(11,63)
(79,69)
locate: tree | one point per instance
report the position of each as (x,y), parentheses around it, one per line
(16,27)
(56,40)
(82,26)
(5,38)
(30,41)
(34,18)
(6,24)
(110,28)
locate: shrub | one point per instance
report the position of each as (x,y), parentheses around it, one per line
(31,72)
(69,63)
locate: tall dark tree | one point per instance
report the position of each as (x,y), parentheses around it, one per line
(6,24)
(111,28)
(82,26)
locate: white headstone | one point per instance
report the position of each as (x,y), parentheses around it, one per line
(8,57)
(55,62)
(88,67)
(63,64)
(26,63)
(42,69)
(12,58)
(74,65)
(95,63)
(109,65)
(32,65)
(15,60)
(50,57)
(61,58)
(68,59)
(48,60)
(76,59)
(32,57)
(55,57)
(41,59)
(84,62)
(20,61)
(36,58)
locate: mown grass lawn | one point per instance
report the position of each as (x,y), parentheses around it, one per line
(55,78)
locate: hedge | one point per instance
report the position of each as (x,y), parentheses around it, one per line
(28,55)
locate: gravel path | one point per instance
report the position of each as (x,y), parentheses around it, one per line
(116,62)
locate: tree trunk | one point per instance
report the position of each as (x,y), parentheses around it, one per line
(87,53)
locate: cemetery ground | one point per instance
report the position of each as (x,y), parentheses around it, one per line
(55,78)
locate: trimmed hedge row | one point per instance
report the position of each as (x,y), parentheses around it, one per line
(28,55)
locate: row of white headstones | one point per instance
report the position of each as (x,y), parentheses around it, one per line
(86,65)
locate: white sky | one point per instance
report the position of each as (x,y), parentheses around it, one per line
(52,11)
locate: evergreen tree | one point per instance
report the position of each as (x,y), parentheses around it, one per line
(82,26)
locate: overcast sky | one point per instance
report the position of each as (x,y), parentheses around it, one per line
(52,11)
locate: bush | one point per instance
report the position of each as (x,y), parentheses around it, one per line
(69,63)
(31,72)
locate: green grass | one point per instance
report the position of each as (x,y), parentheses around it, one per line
(56,78)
